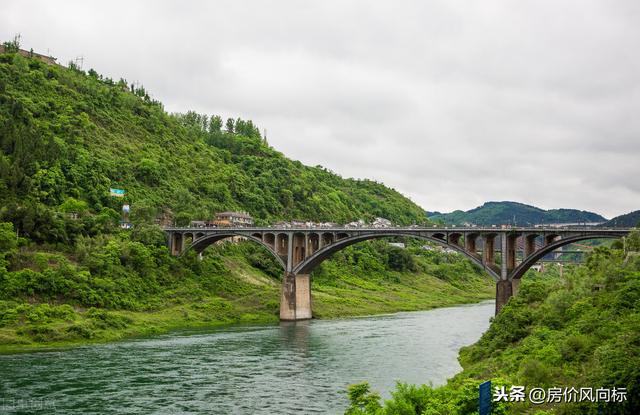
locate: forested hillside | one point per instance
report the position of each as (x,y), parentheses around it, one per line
(513,213)
(628,220)
(69,274)
(67,137)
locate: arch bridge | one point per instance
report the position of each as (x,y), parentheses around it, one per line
(300,250)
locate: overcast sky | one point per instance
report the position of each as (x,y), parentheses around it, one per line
(452,103)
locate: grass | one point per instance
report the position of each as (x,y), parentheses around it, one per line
(407,292)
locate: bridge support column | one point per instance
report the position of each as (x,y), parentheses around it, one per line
(295,302)
(176,243)
(529,245)
(515,286)
(504,291)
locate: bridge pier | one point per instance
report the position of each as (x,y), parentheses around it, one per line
(295,301)
(504,291)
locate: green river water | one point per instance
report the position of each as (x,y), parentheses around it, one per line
(288,368)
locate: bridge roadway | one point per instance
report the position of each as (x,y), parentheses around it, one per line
(300,250)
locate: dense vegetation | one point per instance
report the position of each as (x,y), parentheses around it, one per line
(578,330)
(628,220)
(70,274)
(499,213)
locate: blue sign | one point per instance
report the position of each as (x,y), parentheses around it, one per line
(484,401)
(117,192)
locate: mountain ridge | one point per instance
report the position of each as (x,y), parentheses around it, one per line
(514,213)
(631,219)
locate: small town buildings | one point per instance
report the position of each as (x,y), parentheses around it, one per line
(357,224)
(233,219)
(381,223)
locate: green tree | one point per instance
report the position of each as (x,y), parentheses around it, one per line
(8,238)
(149,171)
(400,260)
(13,45)
(632,241)
(8,243)
(362,400)
(215,124)
(71,205)
(230,125)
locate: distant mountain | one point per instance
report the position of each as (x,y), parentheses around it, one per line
(627,220)
(499,213)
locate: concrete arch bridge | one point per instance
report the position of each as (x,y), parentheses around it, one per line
(300,250)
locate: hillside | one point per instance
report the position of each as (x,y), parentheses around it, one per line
(499,213)
(67,137)
(627,220)
(70,275)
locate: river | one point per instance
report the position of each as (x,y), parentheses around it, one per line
(273,369)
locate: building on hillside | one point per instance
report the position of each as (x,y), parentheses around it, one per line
(574,224)
(31,54)
(357,224)
(381,223)
(538,267)
(295,223)
(239,219)
(198,224)
(397,244)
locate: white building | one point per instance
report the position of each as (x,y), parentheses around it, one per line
(381,223)
(397,244)
(357,224)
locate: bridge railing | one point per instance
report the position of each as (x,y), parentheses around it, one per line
(403,228)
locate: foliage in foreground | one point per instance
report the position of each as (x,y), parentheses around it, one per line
(578,330)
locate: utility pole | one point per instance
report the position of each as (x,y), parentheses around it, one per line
(79,59)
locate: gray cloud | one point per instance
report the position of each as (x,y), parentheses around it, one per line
(452,103)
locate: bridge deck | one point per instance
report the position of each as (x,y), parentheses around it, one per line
(402,228)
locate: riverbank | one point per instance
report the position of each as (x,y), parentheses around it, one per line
(244,295)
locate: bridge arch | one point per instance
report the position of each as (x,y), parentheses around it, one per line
(202,243)
(529,261)
(306,266)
